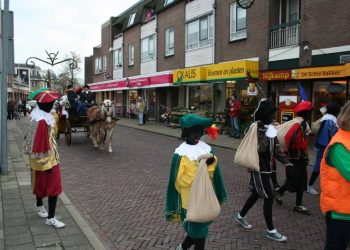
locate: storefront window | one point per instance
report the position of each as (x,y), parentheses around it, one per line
(325,92)
(201,98)
(151,104)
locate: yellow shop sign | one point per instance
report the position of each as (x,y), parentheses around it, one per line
(232,70)
(189,75)
(322,72)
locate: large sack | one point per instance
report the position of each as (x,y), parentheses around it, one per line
(315,126)
(94,113)
(203,205)
(283,129)
(247,153)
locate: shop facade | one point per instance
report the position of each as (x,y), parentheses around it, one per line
(321,85)
(153,88)
(208,88)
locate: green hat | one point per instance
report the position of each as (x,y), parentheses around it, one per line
(192,120)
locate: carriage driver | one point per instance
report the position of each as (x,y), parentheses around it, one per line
(74,101)
(40,145)
(87,96)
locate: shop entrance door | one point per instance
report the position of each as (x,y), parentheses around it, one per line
(151,104)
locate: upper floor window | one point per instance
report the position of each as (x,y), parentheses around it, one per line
(199,32)
(98,65)
(148,51)
(289,11)
(131,53)
(132,18)
(167,2)
(104,63)
(169,41)
(238,22)
(117,58)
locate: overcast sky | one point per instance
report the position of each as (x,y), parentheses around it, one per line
(60,25)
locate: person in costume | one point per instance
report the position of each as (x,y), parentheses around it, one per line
(335,185)
(296,141)
(74,101)
(261,182)
(328,129)
(87,96)
(40,145)
(182,173)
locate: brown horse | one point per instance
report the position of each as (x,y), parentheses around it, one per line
(102,124)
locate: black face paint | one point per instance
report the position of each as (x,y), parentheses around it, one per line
(47,107)
(193,134)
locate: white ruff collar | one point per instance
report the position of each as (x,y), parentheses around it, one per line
(38,114)
(193,151)
(329,117)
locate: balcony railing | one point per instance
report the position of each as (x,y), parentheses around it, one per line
(285,35)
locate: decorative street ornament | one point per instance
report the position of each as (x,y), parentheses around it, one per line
(245,4)
(52,57)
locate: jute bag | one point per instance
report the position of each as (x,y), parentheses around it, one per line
(247,153)
(315,127)
(283,129)
(203,205)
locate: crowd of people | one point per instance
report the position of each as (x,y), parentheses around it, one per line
(287,143)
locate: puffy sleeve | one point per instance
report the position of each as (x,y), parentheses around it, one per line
(41,143)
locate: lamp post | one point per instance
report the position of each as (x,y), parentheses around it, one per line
(51,60)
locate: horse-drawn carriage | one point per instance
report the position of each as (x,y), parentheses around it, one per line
(98,124)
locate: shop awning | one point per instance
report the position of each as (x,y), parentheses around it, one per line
(217,72)
(338,71)
(162,79)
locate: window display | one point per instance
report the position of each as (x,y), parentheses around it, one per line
(201,98)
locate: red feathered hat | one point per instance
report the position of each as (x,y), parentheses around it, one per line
(46,96)
(303,106)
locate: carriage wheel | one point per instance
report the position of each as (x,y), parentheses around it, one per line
(68,133)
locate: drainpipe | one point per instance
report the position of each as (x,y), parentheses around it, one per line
(213,62)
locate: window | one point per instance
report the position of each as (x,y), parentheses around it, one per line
(104,63)
(131,54)
(167,2)
(238,22)
(148,51)
(131,19)
(117,59)
(289,11)
(200,32)
(169,41)
(98,65)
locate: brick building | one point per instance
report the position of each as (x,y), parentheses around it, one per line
(196,54)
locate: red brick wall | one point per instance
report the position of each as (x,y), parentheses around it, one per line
(172,17)
(132,36)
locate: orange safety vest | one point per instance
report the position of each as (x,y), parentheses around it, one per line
(335,189)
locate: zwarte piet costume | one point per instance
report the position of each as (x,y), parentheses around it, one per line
(182,173)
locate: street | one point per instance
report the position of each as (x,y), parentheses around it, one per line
(123,196)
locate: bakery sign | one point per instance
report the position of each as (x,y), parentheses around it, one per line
(277,75)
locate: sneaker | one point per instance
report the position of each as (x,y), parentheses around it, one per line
(311,190)
(301,209)
(54,222)
(179,247)
(278,198)
(42,212)
(274,235)
(241,220)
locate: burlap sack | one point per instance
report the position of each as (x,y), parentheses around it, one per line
(247,153)
(315,126)
(203,205)
(283,129)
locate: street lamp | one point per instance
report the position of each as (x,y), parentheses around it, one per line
(52,57)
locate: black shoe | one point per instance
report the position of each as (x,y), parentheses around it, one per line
(278,199)
(301,209)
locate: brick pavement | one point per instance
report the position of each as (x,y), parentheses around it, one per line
(123,195)
(20,226)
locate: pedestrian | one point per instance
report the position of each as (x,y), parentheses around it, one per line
(235,109)
(11,106)
(40,145)
(327,130)
(182,173)
(296,141)
(24,105)
(261,182)
(335,185)
(140,109)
